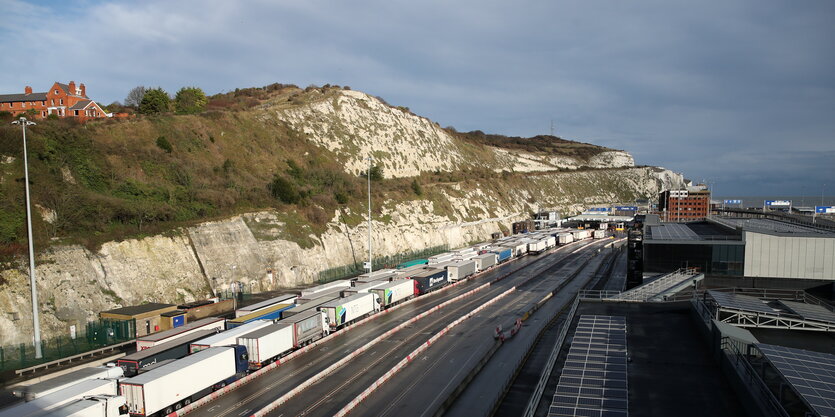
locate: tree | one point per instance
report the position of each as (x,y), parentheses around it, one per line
(284,190)
(155,101)
(416,187)
(135,96)
(376,173)
(190,100)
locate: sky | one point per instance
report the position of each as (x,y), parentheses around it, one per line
(740,94)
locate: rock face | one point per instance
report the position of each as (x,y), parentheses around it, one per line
(75,284)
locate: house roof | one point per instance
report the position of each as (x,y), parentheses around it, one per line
(81,105)
(66,89)
(13,98)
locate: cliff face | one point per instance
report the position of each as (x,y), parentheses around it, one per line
(75,284)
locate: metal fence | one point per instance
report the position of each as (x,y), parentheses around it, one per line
(346,271)
(96,334)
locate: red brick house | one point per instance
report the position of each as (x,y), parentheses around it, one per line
(63,100)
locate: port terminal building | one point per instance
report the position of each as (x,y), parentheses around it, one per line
(738,251)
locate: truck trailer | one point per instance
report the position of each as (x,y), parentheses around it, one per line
(30,392)
(177,384)
(331,286)
(394,292)
(460,270)
(309,327)
(429,280)
(267,344)
(228,337)
(62,397)
(152,340)
(484,261)
(565,238)
(282,299)
(599,234)
(310,305)
(175,349)
(344,311)
(502,254)
(270,313)
(93,406)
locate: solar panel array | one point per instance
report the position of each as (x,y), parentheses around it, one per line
(811,374)
(673,231)
(810,311)
(593,379)
(740,302)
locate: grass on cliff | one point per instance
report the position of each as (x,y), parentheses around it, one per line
(541,144)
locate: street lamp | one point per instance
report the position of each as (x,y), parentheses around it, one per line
(370,259)
(36,322)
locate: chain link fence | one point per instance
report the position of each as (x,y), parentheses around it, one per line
(347,271)
(95,335)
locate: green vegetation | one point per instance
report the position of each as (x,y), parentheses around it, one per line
(155,101)
(190,100)
(546,144)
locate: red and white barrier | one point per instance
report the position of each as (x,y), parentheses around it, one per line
(405,361)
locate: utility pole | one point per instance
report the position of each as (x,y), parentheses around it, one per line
(370,259)
(35,319)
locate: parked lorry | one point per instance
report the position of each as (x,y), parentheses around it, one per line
(394,292)
(344,311)
(443,257)
(429,280)
(93,406)
(154,339)
(362,287)
(175,349)
(536,245)
(282,299)
(599,234)
(31,392)
(460,270)
(565,238)
(331,286)
(502,253)
(309,327)
(270,313)
(485,260)
(310,305)
(229,337)
(177,384)
(267,344)
(62,397)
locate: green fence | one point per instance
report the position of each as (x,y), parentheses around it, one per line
(347,271)
(95,335)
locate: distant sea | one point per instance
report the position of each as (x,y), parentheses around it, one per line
(802,201)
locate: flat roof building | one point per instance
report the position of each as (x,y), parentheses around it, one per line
(148,316)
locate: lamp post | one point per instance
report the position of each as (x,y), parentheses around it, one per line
(370,259)
(36,321)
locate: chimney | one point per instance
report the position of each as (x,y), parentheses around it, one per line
(83,90)
(72,88)
(27,90)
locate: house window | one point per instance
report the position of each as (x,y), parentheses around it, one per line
(56,91)
(43,113)
(52,102)
(61,101)
(76,112)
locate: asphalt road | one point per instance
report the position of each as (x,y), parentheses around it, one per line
(272,385)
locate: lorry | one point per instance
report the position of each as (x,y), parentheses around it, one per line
(344,311)
(502,253)
(362,287)
(331,286)
(154,339)
(443,257)
(282,299)
(267,344)
(310,305)
(177,384)
(460,270)
(228,337)
(429,280)
(394,292)
(93,406)
(376,275)
(62,397)
(175,349)
(565,238)
(270,313)
(309,327)
(581,234)
(30,392)
(485,260)
(599,234)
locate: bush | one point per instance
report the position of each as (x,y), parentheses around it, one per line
(190,100)
(155,101)
(284,190)
(377,173)
(164,144)
(416,187)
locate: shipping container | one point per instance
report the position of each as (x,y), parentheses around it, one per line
(331,286)
(429,280)
(92,406)
(310,305)
(30,392)
(460,270)
(484,261)
(61,397)
(345,311)
(599,234)
(394,291)
(565,238)
(152,340)
(183,381)
(310,326)
(269,313)
(175,349)
(413,263)
(228,337)
(267,344)
(282,299)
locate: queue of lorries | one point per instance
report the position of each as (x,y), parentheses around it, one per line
(173,368)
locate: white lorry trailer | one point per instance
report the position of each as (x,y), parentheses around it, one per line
(460,270)
(344,311)
(94,406)
(48,402)
(30,392)
(228,337)
(394,292)
(154,339)
(177,384)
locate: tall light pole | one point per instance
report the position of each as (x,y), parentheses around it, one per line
(36,321)
(370,259)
